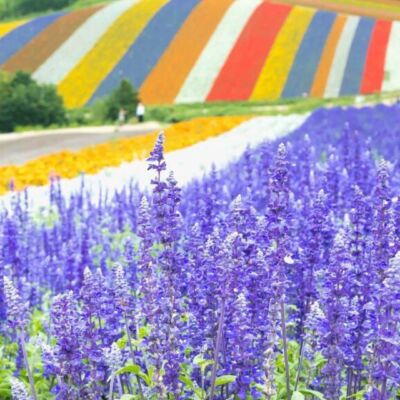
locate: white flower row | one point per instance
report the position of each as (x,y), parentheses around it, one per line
(187,164)
(69,54)
(201,78)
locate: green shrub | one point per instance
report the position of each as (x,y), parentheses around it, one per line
(25,102)
(15,8)
(124,96)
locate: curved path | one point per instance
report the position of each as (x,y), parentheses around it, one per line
(18,148)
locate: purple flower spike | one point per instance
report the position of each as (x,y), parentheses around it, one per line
(156,159)
(67,328)
(113,357)
(334,328)
(17,311)
(18,390)
(122,290)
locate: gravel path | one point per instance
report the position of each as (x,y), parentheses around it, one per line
(18,148)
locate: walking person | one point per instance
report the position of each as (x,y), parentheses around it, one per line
(140,111)
(121,118)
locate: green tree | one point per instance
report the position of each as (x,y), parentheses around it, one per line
(124,96)
(6,108)
(24,102)
(29,6)
(15,8)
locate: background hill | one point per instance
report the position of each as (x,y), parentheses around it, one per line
(192,51)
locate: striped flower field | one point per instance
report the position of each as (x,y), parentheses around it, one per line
(178,51)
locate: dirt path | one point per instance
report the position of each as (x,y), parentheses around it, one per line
(18,148)
(375,12)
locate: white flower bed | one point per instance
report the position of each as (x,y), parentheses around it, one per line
(187,164)
(68,55)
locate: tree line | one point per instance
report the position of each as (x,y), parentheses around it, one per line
(16,8)
(25,102)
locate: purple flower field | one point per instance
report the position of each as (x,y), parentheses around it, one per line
(276,278)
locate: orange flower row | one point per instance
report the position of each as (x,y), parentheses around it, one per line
(68,164)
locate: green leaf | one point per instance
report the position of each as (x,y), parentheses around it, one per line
(187,381)
(297,396)
(202,363)
(314,393)
(144,331)
(359,395)
(132,368)
(319,360)
(135,369)
(200,393)
(224,380)
(122,342)
(127,397)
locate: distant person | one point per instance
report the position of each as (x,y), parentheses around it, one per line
(121,119)
(121,116)
(140,110)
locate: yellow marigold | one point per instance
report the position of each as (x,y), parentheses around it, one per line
(68,164)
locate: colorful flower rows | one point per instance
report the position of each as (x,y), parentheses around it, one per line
(67,56)
(68,164)
(138,62)
(19,37)
(173,68)
(261,52)
(78,87)
(7,27)
(272,79)
(43,45)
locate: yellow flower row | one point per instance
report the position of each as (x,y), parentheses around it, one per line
(68,164)
(277,67)
(7,27)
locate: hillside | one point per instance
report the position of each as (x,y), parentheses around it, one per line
(387,9)
(192,50)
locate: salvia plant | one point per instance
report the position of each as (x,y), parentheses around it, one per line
(275,278)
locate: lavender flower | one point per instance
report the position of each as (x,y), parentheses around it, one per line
(269,387)
(278,215)
(240,339)
(18,390)
(113,357)
(122,292)
(147,280)
(218,265)
(17,311)
(384,365)
(67,328)
(333,331)
(156,159)
(17,314)
(315,319)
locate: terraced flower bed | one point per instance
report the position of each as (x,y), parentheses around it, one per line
(207,50)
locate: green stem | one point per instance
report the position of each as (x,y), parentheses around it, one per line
(133,357)
(285,349)
(217,349)
(28,368)
(111,394)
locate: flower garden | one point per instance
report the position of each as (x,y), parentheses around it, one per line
(110,48)
(68,164)
(265,265)
(226,257)
(235,50)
